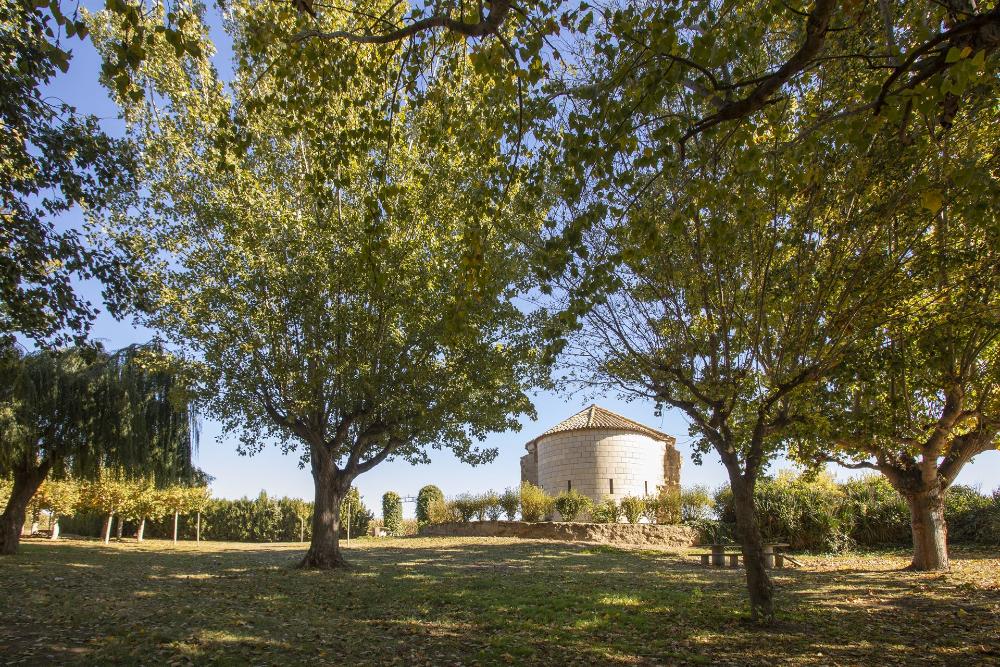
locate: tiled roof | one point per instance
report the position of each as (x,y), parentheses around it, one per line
(596,418)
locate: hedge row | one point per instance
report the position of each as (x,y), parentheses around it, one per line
(262,519)
(822,515)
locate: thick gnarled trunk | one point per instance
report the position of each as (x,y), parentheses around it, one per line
(929,529)
(758,582)
(26,483)
(331,487)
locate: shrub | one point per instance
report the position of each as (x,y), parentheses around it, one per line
(633,507)
(510,501)
(696,504)
(439,511)
(667,506)
(879,515)
(425,496)
(571,504)
(493,507)
(536,504)
(354,513)
(409,527)
(465,504)
(481,505)
(607,511)
(392,513)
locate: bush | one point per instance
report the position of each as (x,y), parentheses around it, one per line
(493,507)
(571,504)
(409,527)
(536,504)
(439,511)
(481,505)
(392,513)
(879,515)
(665,507)
(696,504)
(633,508)
(466,505)
(425,496)
(607,511)
(510,501)
(354,513)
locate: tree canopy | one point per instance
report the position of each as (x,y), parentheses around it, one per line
(80,410)
(52,159)
(341,262)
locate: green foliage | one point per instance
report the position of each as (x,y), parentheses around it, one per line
(465,506)
(79,410)
(696,503)
(110,493)
(440,511)
(878,513)
(354,513)
(425,496)
(536,504)
(510,502)
(58,496)
(572,504)
(52,159)
(392,512)
(311,252)
(632,508)
(816,514)
(606,511)
(494,510)
(664,507)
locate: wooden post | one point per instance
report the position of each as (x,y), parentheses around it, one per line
(176,514)
(197,528)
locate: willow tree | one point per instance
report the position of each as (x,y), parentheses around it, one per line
(337,251)
(77,410)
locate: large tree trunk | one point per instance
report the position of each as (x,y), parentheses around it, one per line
(107,527)
(197,527)
(758,583)
(331,487)
(176,514)
(141,530)
(121,527)
(930,532)
(54,521)
(26,483)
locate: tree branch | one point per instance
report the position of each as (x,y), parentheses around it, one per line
(489,25)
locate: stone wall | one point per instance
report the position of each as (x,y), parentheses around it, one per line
(529,465)
(641,534)
(593,461)
(672,469)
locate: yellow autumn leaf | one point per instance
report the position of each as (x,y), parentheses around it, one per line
(931,200)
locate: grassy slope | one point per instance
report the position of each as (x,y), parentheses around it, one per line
(474,600)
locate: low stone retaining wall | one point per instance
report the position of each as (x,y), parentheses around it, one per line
(643,534)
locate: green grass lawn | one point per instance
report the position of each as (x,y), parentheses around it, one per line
(449,601)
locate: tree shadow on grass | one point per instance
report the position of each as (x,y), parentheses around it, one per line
(470,602)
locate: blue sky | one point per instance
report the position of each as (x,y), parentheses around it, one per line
(237,476)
